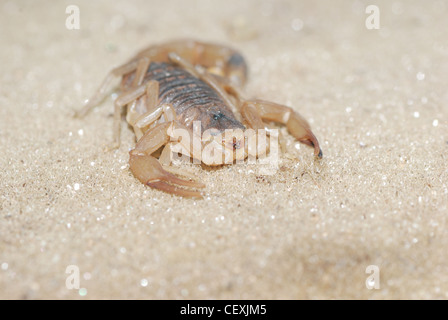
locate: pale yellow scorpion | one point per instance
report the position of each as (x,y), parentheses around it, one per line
(170,86)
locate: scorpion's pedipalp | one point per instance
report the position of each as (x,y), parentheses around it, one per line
(168,188)
(186,183)
(254,110)
(148,169)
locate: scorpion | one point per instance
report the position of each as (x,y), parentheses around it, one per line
(170,86)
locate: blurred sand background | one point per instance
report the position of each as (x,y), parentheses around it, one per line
(376,100)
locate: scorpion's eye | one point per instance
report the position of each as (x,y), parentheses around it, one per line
(217,116)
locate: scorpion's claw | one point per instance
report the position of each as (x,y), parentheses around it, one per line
(169,177)
(163,186)
(149,171)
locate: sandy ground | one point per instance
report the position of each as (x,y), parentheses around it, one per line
(376,100)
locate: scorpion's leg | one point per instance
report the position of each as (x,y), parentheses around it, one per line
(101,92)
(149,102)
(123,100)
(153,110)
(150,117)
(255,111)
(131,96)
(132,112)
(149,171)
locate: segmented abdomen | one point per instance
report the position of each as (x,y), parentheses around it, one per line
(181,89)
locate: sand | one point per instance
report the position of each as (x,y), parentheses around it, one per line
(376,100)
